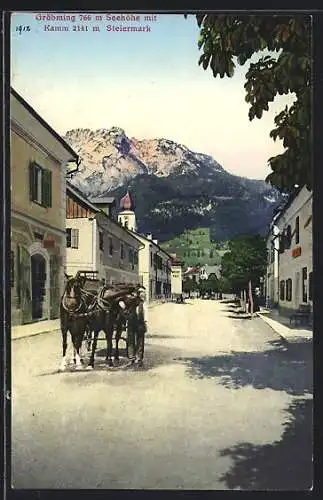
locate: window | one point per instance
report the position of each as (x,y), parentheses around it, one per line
(110,246)
(289,290)
(122,251)
(101,240)
(272,252)
(151,258)
(282,290)
(135,257)
(297,230)
(130,256)
(288,236)
(72,238)
(310,286)
(40,185)
(304,281)
(12,269)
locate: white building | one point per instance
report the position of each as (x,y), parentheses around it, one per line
(176,275)
(289,272)
(96,242)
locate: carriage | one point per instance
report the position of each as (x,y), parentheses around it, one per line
(89,306)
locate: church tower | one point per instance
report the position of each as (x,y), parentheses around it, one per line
(126,216)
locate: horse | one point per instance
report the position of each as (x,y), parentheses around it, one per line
(76,305)
(114,303)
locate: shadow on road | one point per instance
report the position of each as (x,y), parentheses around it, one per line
(238,317)
(283,465)
(280,368)
(235,311)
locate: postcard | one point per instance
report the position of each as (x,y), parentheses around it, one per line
(161,251)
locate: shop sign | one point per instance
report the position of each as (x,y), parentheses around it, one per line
(49,243)
(297,252)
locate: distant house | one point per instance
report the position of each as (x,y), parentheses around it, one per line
(39,162)
(96,242)
(176,275)
(289,279)
(193,273)
(210,271)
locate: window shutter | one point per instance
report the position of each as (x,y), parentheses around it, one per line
(32,182)
(47,188)
(68,237)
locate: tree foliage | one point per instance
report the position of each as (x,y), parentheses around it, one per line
(227,39)
(246,261)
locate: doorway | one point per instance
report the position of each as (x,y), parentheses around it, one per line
(38,280)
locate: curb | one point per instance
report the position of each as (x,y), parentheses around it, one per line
(27,335)
(273,329)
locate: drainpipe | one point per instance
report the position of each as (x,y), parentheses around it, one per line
(78,162)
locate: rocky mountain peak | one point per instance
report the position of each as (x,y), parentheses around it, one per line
(175,187)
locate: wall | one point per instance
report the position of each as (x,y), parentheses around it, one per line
(176,281)
(84,257)
(290,267)
(22,153)
(31,141)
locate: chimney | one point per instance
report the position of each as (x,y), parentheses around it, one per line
(156,242)
(149,236)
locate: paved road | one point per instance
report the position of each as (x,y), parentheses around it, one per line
(222,404)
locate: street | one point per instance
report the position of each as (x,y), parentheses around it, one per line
(223,403)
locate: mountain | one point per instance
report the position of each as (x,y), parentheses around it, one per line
(174,188)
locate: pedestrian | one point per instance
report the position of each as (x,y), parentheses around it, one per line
(137,327)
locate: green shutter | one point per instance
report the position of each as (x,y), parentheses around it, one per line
(47,188)
(32,182)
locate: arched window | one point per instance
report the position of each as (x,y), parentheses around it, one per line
(282,290)
(289,284)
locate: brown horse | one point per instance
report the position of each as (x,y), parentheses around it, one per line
(114,303)
(76,305)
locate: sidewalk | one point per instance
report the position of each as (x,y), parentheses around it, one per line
(279,324)
(46,326)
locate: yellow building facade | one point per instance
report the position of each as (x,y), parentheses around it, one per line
(39,163)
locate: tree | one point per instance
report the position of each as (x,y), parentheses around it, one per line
(227,39)
(189,285)
(245,262)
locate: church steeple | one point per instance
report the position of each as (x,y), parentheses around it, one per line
(127,217)
(127,202)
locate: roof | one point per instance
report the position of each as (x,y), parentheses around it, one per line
(105,216)
(153,243)
(44,123)
(127,202)
(103,201)
(81,196)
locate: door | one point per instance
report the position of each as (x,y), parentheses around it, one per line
(297,289)
(38,279)
(24,284)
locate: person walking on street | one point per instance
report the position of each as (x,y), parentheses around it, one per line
(137,318)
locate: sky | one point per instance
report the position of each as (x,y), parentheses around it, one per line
(148,83)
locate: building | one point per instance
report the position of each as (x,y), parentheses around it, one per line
(176,275)
(289,279)
(210,271)
(193,273)
(154,261)
(154,267)
(97,242)
(40,159)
